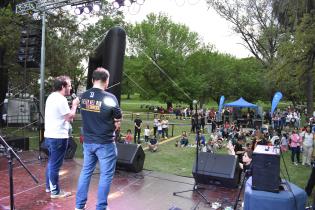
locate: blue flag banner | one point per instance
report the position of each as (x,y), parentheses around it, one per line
(276,98)
(222,98)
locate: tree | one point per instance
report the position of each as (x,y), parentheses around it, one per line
(298,47)
(254,20)
(163,47)
(224,75)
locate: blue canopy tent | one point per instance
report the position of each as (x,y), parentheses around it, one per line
(241,103)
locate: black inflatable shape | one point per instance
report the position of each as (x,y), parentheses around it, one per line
(110,55)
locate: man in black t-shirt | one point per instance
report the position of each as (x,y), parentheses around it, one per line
(138,123)
(101,117)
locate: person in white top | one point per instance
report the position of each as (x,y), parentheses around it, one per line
(155,124)
(159,129)
(147,133)
(308,143)
(57,118)
(165,128)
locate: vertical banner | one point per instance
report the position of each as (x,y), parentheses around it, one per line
(222,98)
(276,98)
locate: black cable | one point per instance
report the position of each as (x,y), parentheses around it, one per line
(285,166)
(286,181)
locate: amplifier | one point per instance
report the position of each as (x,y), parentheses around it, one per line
(266,168)
(16,142)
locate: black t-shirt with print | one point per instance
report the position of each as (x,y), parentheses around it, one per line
(99,109)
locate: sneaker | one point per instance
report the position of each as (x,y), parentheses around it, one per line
(295,163)
(62,194)
(47,190)
(84,208)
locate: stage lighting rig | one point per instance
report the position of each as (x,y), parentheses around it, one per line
(30,7)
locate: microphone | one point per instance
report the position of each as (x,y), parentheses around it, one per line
(74,96)
(34,99)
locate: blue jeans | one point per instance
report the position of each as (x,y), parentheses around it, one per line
(57,151)
(106,154)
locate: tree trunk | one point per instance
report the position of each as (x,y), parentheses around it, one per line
(310,85)
(3,83)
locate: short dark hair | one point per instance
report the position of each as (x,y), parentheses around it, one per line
(60,82)
(100,74)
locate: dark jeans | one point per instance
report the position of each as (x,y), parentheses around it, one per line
(310,183)
(154,131)
(295,152)
(146,138)
(164,132)
(137,133)
(57,151)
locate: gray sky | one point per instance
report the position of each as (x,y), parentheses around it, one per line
(195,14)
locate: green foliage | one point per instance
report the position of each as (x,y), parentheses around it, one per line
(294,69)
(170,64)
(162,47)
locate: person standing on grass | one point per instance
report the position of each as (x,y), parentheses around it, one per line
(295,147)
(101,116)
(138,124)
(57,124)
(147,133)
(155,124)
(165,128)
(308,144)
(159,129)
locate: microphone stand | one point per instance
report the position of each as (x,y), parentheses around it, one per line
(40,127)
(196,187)
(240,191)
(10,155)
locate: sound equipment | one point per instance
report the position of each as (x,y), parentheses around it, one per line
(71,149)
(30,45)
(16,142)
(130,157)
(217,169)
(266,168)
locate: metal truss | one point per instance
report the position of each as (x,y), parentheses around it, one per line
(26,7)
(45,5)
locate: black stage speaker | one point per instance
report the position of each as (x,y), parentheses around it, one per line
(72,147)
(217,169)
(130,157)
(18,142)
(266,168)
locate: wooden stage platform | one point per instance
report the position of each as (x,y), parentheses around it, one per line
(146,190)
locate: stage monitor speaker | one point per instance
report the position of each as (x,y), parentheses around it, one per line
(21,143)
(130,157)
(71,149)
(217,169)
(266,168)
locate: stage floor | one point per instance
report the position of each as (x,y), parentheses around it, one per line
(146,190)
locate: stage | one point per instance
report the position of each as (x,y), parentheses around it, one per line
(146,190)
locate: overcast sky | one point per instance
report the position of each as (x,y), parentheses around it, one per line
(195,14)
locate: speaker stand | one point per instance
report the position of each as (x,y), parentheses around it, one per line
(196,188)
(40,128)
(240,191)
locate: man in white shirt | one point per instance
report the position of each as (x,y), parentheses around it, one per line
(57,123)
